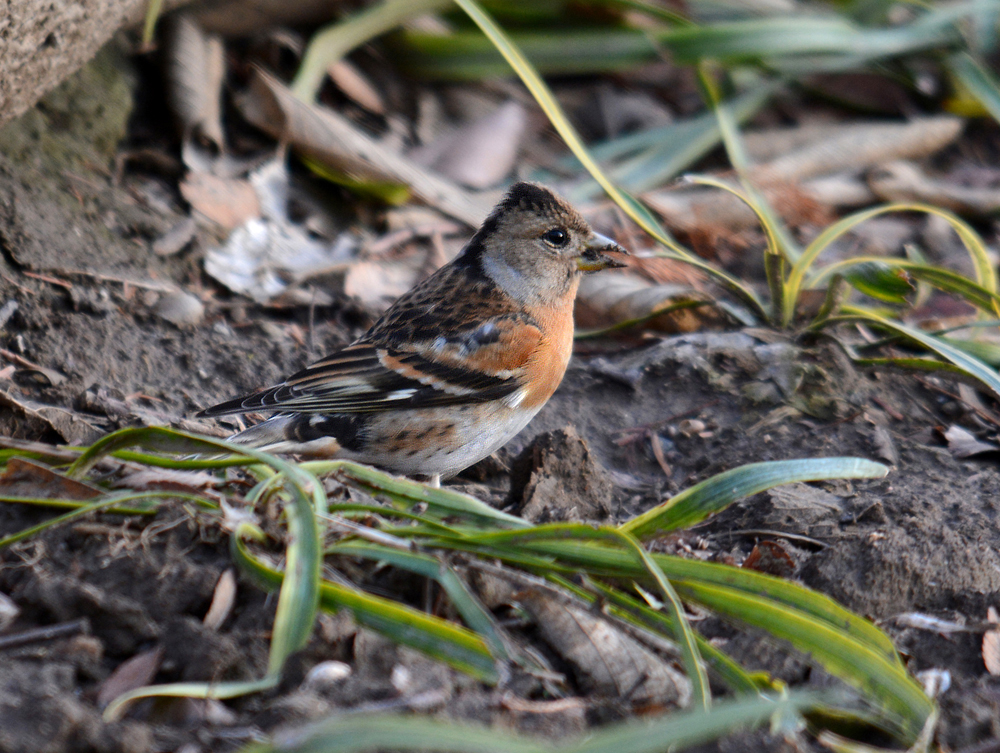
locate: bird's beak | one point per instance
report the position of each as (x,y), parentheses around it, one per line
(595,256)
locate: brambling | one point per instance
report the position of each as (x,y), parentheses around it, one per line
(459,364)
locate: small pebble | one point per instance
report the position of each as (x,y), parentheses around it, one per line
(180,308)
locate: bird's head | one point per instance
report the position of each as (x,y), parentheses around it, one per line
(536,246)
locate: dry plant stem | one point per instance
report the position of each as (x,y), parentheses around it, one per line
(335,41)
(47,633)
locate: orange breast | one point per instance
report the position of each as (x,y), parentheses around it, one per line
(547,365)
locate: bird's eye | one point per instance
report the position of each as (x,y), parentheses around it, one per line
(556,237)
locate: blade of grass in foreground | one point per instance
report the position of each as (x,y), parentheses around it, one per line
(353,734)
(299,595)
(438,638)
(718,492)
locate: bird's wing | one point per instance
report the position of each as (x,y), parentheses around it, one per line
(478,364)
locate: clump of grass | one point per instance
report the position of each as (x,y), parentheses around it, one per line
(418,527)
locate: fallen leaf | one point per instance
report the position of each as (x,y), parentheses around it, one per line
(129,675)
(324,136)
(223,599)
(195,70)
(176,239)
(991,643)
(228,202)
(963,444)
(605,660)
(481,153)
(771,558)
(24,478)
(355,85)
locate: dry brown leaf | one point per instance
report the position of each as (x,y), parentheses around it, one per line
(223,599)
(376,284)
(195,72)
(168,479)
(70,425)
(613,299)
(605,660)
(904,181)
(129,675)
(354,84)
(991,643)
(481,153)
(770,557)
(859,147)
(228,202)
(23,478)
(963,444)
(325,136)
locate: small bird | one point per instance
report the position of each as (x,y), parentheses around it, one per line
(456,366)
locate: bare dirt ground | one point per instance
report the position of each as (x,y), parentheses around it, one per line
(76,261)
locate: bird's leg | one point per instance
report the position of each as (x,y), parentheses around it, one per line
(435,480)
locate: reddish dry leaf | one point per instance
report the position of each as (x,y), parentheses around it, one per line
(129,675)
(227,202)
(23,478)
(613,299)
(771,558)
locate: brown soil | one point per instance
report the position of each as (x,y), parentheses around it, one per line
(924,539)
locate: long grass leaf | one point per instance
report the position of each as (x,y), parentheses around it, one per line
(443,640)
(978,80)
(985,275)
(333,42)
(683,633)
(718,492)
(547,102)
(971,365)
(468,606)
(354,734)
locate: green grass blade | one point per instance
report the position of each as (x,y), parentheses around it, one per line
(683,633)
(473,612)
(219,690)
(110,503)
(980,82)
(442,502)
(970,365)
(333,42)
(354,734)
(440,639)
(985,275)
(299,596)
(551,541)
(779,240)
(547,102)
(718,492)
(944,279)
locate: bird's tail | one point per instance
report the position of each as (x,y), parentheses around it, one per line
(284,433)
